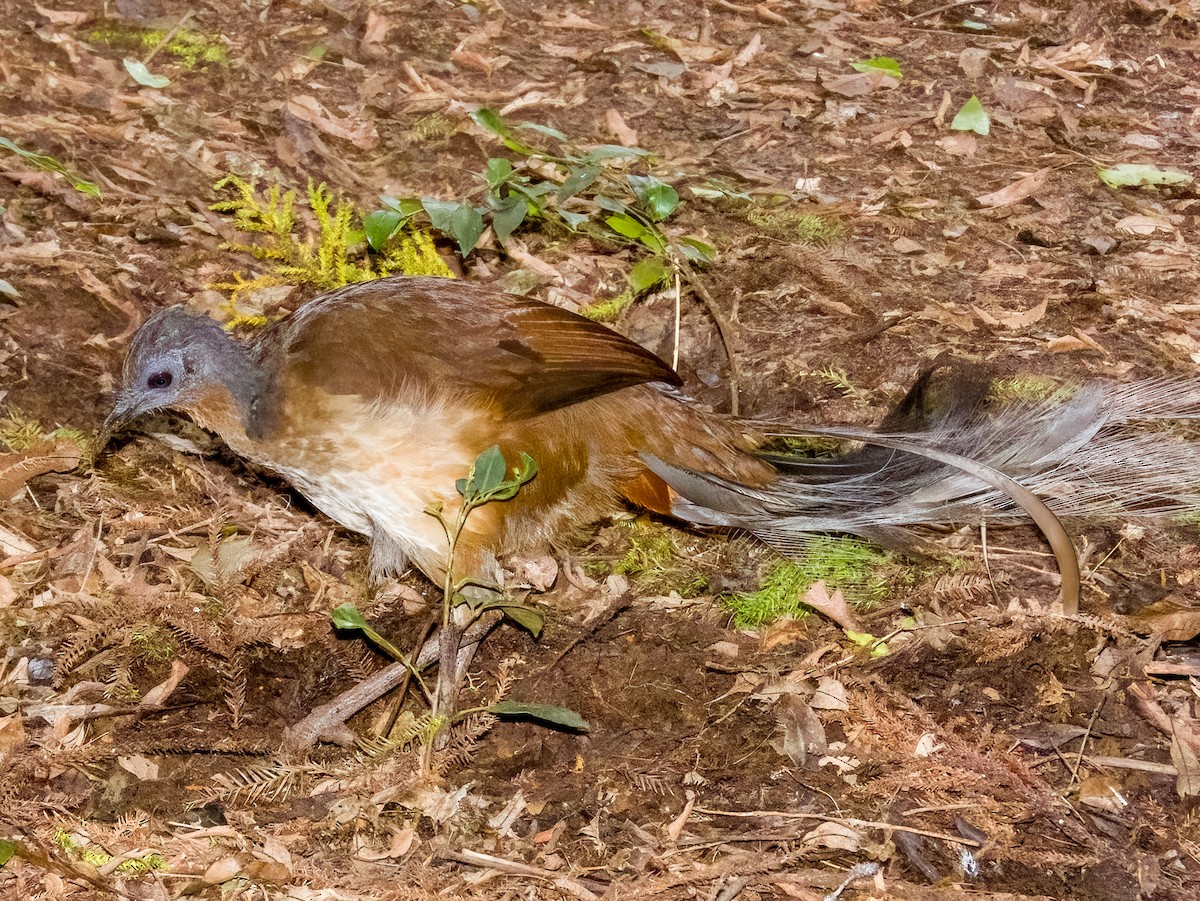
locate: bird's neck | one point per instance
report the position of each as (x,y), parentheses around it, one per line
(232,401)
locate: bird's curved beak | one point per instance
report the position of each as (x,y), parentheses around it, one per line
(124,409)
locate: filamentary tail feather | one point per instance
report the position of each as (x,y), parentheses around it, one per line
(1102,450)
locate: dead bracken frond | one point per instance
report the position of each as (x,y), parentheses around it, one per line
(95,637)
(962,587)
(465,736)
(233,683)
(273,781)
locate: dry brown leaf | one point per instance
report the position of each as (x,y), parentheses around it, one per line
(973,61)
(959,143)
(63,16)
(1023,320)
(16,470)
(1187,783)
(1017,191)
(141,768)
(1142,226)
(830,695)
(1168,618)
(8,594)
(835,836)
(222,871)
(309,109)
(571,20)
(1066,344)
(469,59)
(616,124)
(832,606)
(907,245)
(376,28)
(803,731)
(859,83)
(12,734)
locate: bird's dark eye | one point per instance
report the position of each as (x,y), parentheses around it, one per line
(159,380)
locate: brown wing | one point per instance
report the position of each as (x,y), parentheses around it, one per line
(380,338)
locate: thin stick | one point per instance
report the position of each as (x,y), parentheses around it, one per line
(1083,746)
(724,332)
(842,821)
(167,38)
(945,7)
(572,887)
(678,305)
(330,717)
(987,566)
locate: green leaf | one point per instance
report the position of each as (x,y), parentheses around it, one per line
(7,849)
(546,713)
(486,473)
(528,618)
(648,273)
(50,164)
(610,204)
(405,206)
(696,250)
(612,152)
(1133,175)
(7,288)
(491,120)
(347,616)
(884,65)
(626,225)
(143,76)
(509,214)
(459,220)
(573,220)
(544,129)
(527,470)
(976,26)
(657,197)
(578,180)
(715,189)
(653,239)
(972,117)
(380,225)
(499,170)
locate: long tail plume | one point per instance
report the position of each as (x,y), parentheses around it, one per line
(1104,450)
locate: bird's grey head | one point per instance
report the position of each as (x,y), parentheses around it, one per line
(175,357)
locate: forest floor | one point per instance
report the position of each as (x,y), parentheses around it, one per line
(994,751)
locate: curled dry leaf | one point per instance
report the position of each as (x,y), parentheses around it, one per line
(1169,619)
(803,731)
(833,606)
(12,734)
(835,836)
(222,871)
(1142,225)
(616,124)
(308,109)
(62,16)
(16,470)
(1017,191)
